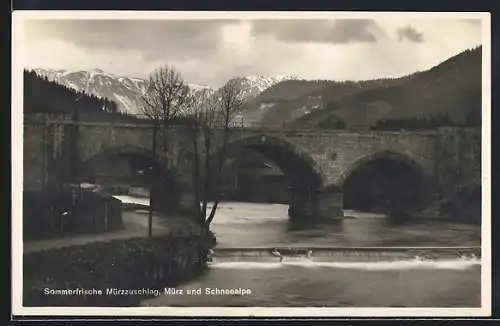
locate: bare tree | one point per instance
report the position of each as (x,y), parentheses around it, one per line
(212,115)
(166,99)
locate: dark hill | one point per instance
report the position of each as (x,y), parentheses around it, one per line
(292,99)
(451,89)
(41,96)
(44,96)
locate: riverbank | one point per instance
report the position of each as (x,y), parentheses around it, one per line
(119,268)
(134,225)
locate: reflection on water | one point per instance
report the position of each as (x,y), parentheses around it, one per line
(250,225)
(282,285)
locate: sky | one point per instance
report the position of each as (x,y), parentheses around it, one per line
(211,51)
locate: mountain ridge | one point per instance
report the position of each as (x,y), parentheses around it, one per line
(127,91)
(289,100)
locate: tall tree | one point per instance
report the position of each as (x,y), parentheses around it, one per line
(167,97)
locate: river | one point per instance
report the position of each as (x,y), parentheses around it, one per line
(348,277)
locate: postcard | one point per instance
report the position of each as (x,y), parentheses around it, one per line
(272,164)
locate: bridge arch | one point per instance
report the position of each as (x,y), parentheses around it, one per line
(386,181)
(126,150)
(298,167)
(268,169)
(122,168)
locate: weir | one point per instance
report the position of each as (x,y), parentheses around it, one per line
(344,254)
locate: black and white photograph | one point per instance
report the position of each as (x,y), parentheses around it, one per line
(251,163)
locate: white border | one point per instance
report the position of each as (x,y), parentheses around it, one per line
(19,17)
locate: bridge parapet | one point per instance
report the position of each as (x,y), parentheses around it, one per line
(65,119)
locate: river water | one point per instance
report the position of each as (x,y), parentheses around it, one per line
(332,277)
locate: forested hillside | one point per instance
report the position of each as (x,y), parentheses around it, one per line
(447,94)
(44,96)
(292,99)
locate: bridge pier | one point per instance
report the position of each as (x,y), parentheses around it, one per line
(330,203)
(315,205)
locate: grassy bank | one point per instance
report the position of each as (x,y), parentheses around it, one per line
(145,264)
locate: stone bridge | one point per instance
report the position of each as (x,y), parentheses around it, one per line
(318,162)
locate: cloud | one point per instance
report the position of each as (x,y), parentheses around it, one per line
(409,33)
(212,51)
(473,22)
(154,38)
(337,31)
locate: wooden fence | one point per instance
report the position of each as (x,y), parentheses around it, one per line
(73,211)
(95,212)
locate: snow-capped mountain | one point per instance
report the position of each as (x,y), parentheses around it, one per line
(254,85)
(127,91)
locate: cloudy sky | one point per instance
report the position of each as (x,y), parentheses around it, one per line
(210,51)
